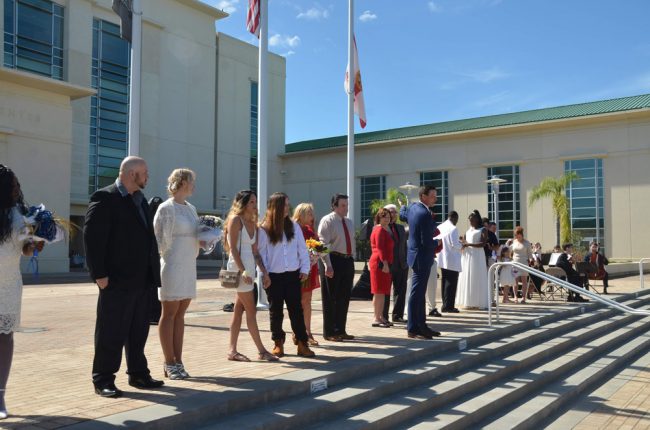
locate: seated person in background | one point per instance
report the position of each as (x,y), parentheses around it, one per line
(565,262)
(536,263)
(600,261)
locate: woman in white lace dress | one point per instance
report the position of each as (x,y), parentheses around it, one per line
(240,241)
(176,227)
(473,284)
(12,209)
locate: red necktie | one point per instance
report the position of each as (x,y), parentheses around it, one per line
(348,244)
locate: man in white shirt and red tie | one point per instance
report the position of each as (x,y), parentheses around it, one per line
(336,231)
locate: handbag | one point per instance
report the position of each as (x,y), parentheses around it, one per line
(231,278)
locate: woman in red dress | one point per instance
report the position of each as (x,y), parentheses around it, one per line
(304,216)
(381,243)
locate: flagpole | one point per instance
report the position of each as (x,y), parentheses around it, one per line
(134,90)
(262,129)
(351,84)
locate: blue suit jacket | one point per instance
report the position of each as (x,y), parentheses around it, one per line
(421,248)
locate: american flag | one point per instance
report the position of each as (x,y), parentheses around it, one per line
(253,17)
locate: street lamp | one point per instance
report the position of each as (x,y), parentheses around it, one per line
(408,188)
(495,181)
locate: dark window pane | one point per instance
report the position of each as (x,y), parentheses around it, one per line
(114,49)
(34,23)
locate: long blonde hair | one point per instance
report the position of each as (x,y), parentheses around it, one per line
(177,178)
(300,214)
(237,208)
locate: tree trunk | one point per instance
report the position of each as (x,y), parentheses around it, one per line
(557,231)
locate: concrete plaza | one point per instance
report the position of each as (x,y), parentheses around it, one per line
(50,384)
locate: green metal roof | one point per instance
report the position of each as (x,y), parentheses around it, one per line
(485,122)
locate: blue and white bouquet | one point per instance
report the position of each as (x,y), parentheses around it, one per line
(210,231)
(42,225)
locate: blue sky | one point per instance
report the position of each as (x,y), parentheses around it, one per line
(430,61)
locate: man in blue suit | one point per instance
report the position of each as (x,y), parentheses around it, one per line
(420,254)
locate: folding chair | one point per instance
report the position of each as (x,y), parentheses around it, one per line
(553,289)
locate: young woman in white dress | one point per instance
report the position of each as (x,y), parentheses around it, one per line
(506,275)
(240,241)
(12,209)
(473,283)
(176,227)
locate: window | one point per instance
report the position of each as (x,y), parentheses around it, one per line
(509,206)
(253,137)
(372,188)
(586,200)
(440,181)
(33,37)
(109,109)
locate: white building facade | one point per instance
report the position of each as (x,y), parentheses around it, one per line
(198,107)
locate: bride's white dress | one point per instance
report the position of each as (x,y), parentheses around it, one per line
(473,282)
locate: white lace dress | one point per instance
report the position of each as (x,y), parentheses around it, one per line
(176,228)
(473,282)
(247,257)
(11,281)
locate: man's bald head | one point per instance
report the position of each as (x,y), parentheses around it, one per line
(130,163)
(134,173)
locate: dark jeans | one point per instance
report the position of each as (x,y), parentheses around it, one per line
(335,295)
(122,322)
(400,279)
(285,288)
(449,285)
(417,313)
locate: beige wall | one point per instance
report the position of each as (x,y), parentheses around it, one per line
(623,141)
(236,68)
(35,141)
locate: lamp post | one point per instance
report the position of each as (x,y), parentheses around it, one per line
(408,188)
(495,181)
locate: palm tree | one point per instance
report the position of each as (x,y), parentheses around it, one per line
(393,196)
(555,188)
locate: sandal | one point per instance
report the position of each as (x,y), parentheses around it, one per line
(238,357)
(311,341)
(229,307)
(267,356)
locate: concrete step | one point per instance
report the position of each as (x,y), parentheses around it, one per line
(536,412)
(311,409)
(518,393)
(601,397)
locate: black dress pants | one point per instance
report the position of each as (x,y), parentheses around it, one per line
(400,279)
(285,288)
(335,295)
(122,322)
(449,286)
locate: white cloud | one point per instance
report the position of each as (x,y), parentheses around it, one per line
(314,14)
(284,41)
(487,75)
(433,7)
(367,16)
(288,53)
(228,6)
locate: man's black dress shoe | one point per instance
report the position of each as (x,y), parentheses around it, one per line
(451,311)
(145,382)
(413,335)
(434,313)
(399,320)
(431,333)
(346,336)
(108,390)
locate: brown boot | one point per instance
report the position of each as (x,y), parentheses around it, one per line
(304,351)
(278,350)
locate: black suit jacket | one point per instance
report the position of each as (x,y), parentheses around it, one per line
(564,263)
(118,242)
(399,250)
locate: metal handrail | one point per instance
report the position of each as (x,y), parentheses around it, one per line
(641,270)
(493,276)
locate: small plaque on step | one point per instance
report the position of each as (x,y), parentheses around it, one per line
(318,385)
(462,345)
(537,323)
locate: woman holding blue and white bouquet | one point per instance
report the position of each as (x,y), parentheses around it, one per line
(14,242)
